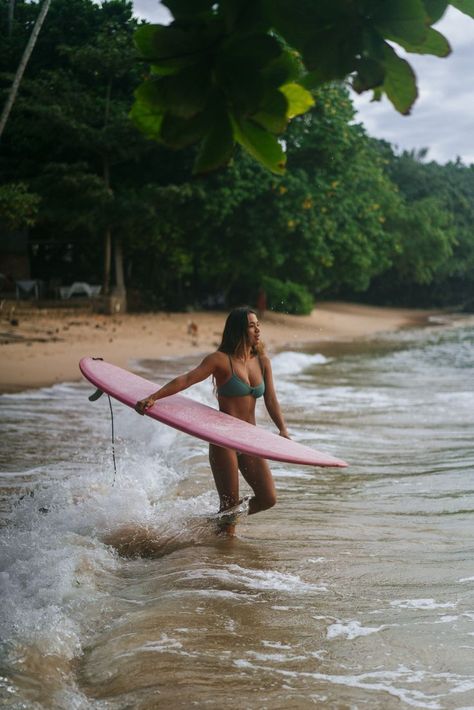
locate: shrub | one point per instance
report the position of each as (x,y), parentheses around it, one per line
(287,296)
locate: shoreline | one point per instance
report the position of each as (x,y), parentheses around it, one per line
(44,347)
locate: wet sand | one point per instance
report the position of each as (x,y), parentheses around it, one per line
(41,348)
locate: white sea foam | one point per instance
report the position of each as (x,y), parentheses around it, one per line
(46,587)
(351,630)
(276,644)
(255,579)
(385,681)
(52,559)
(421,604)
(448,619)
(56,391)
(284,471)
(64,589)
(278,657)
(164,644)
(291,363)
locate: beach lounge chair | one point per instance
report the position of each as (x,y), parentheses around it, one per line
(79,288)
(27,288)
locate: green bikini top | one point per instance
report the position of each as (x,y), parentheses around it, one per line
(236,387)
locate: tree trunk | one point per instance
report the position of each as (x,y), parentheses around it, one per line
(118,300)
(119,275)
(23,62)
(107,235)
(107,260)
(11,12)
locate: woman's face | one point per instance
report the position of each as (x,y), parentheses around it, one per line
(253,330)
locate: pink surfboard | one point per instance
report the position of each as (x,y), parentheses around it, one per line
(200,420)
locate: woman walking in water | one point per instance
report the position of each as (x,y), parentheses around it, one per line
(242,373)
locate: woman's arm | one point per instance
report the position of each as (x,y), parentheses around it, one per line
(271,400)
(180,383)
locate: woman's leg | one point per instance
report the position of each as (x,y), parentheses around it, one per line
(257,473)
(225,470)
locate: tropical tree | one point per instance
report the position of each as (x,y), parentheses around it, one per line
(71,130)
(348,215)
(237,71)
(322,226)
(433,237)
(12,94)
(18,206)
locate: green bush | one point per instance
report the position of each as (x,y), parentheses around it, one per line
(287,296)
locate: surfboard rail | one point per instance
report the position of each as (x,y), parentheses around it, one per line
(201,420)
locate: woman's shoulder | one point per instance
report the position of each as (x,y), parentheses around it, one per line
(216,358)
(264,360)
(213,363)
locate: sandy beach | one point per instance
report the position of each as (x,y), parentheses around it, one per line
(40,348)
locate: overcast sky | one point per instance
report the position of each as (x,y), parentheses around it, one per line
(442,119)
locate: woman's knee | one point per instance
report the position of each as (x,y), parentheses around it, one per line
(271,500)
(266,501)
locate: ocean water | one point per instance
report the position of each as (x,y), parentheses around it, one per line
(355,591)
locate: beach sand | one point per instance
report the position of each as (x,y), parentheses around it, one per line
(44,347)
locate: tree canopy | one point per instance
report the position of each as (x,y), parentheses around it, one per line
(237,71)
(350,217)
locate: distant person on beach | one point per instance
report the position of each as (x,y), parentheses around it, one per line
(242,373)
(261,302)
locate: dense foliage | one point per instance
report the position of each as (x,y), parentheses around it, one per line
(236,71)
(348,217)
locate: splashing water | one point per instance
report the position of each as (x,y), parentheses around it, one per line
(356,590)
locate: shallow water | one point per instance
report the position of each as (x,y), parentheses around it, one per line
(355,591)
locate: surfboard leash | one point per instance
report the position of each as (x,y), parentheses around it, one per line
(113,439)
(93,398)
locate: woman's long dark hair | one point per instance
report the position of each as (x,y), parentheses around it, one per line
(235,335)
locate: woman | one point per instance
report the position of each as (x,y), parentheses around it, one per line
(242,373)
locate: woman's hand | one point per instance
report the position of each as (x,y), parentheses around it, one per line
(284,434)
(143,404)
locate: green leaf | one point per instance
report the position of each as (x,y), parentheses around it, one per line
(293,21)
(146,120)
(372,44)
(401,19)
(400,81)
(183,94)
(299,99)
(311,80)
(434,43)
(179,132)
(176,46)
(217,147)
(284,69)
(257,50)
(260,144)
(243,84)
(144,40)
(243,16)
(239,68)
(273,114)
(435,9)
(331,53)
(377,94)
(370,74)
(465,6)
(160,70)
(162,44)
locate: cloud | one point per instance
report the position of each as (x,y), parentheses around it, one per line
(151,10)
(442,119)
